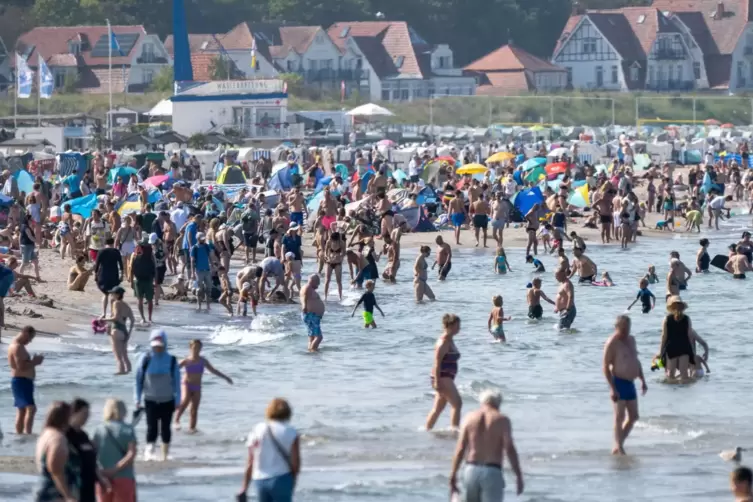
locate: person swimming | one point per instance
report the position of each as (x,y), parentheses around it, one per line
(496,318)
(538,266)
(702,259)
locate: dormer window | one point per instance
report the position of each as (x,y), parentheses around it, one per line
(74,47)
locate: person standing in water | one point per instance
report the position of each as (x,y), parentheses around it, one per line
(120,331)
(565,301)
(621,367)
(534,297)
(444,258)
(702,258)
(446,356)
(480,210)
(485,439)
(22,374)
(420,286)
(737,265)
(456,210)
(193,367)
(312,311)
(369,303)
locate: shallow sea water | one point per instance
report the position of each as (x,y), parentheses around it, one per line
(361,403)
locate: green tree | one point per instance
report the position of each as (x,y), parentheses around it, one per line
(224,69)
(70,84)
(294,81)
(197,141)
(163,81)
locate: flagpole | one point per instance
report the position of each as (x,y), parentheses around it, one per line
(15,102)
(109,73)
(39,90)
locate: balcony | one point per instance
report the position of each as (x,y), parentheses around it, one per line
(668,54)
(273,131)
(332,75)
(145,59)
(670,85)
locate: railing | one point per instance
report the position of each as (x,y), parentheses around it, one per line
(151,60)
(668,54)
(332,75)
(670,85)
(281,131)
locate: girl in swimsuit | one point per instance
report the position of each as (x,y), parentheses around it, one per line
(334,252)
(125,241)
(64,228)
(194,366)
(446,356)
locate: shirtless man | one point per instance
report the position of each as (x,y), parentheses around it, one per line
(444,258)
(473,194)
(480,209)
(456,210)
(563,262)
(112,218)
(604,207)
(737,265)
(682,273)
(583,265)
(564,304)
(621,366)
(22,374)
(249,273)
(120,330)
(295,203)
(312,311)
(329,206)
(500,213)
(534,297)
(485,438)
(390,272)
(532,227)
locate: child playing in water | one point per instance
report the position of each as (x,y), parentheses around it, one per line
(699,367)
(501,266)
(538,266)
(292,273)
(194,366)
(369,302)
(226,298)
(496,318)
(647,298)
(693,220)
(606,280)
(534,297)
(246,296)
(544,236)
(651,276)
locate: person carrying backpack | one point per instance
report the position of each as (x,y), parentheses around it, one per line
(158,383)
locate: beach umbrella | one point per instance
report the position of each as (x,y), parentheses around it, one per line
(472,169)
(386,143)
(711,122)
(83,206)
(727,126)
(399,175)
(446,158)
(369,110)
(501,157)
(156,181)
(121,172)
(533,162)
(558,152)
(535,174)
(556,168)
(129,207)
(579,197)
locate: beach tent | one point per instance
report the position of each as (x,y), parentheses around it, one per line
(312,206)
(281,179)
(132,204)
(526,198)
(364,179)
(417,219)
(579,197)
(231,175)
(83,206)
(25,181)
(323,182)
(427,195)
(399,176)
(533,163)
(124,172)
(430,171)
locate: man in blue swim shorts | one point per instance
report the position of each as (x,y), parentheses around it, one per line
(22,374)
(312,311)
(456,210)
(621,367)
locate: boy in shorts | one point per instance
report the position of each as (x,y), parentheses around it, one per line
(369,302)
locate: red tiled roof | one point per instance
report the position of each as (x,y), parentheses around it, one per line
(724,31)
(298,38)
(201,64)
(506,84)
(92,80)
(395,37)
(62,60)
(377,56)
(52,40)
(509,57)
(195,42)
(241,38)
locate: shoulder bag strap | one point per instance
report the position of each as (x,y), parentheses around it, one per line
(280,449)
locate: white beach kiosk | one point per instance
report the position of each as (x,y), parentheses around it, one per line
(256,108)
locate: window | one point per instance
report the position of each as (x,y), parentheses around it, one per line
(148,76)
(313,64)
(399,61)
(396,94)
(290,65)
(359,63)
(740,70)
(74,47)
(325,64)
(670,73)
(148,53)
(59,79)
(385,94)
(589,46)
(634,73)
(569,71)
(614,75)
(405,94)
(697,70)
(344,32)
(599,76)
(679,72)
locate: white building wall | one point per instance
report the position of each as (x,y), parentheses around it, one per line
(550,80)
(323,51)
(194,117)
(353,53)
(143,73)
(741,76)
(242,60)
(584,67)
(696,56)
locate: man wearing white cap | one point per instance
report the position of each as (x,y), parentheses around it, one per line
(202,256)
(158,383)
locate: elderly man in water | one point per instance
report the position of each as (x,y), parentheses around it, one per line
(486,436)
(621,367)
(312,311)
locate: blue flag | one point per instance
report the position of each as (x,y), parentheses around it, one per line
(46,80)
(114,45)
(24,77)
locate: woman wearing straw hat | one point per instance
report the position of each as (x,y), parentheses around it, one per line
(676,349)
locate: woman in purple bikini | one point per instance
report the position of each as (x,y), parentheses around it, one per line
(194,366)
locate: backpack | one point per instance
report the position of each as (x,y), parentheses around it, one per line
(145,365)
